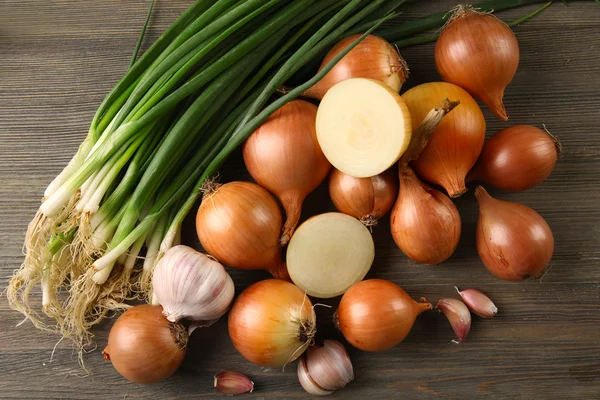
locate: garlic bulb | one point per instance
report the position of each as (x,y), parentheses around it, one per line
(323,370)
(190,285)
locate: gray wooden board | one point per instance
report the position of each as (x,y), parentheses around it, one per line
(59,58)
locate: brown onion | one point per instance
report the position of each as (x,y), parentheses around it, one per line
(367,199)
(376,315)
(373,58)
(479,53)
(514,241)
(516,158)
(283,156)
(455,145)
(425,223)
(239,224)
(271,323)
(144,346)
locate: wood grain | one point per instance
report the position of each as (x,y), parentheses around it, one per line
(57,61)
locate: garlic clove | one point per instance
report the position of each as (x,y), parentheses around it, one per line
(325,369)
(232,383)
(478,302)
(307,382)
(459,316)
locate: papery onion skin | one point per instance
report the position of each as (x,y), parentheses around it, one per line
(239,224)
(376,315)
(373,58)
(514,242)
(479,53)
(455,145)
(366,199)
(516,158)
(271,323)
(425,223)
(283,156)
(144,346)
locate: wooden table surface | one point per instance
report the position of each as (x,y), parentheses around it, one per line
(59,58)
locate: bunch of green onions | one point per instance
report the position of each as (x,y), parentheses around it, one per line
(165,129)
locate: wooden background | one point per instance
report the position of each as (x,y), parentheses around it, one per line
(59,58)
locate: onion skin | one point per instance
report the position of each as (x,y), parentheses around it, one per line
(373,58)
(425,223)
(239,224)
(144,346)
(376,315)
(283,156)
(271,323)
(366,199)
(455,145)
(514,242)
(516,158)
(479,53)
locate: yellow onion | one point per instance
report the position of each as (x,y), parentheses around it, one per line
(271,323)
(283,156)
(367,199)
(425,223)
(239,224)
(144,346)
(513,241)
(455,145)
(479,53)
(373,58)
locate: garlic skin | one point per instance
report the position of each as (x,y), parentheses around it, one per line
(322,370)
(190,285)
(459,316)
(232,383)
(478,303)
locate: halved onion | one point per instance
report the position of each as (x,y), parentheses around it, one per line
(363,127)
(329,253)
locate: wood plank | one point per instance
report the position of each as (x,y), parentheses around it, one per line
(57,61)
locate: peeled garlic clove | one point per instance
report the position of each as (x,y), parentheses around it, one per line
(232,383)
(459,316)
(325,369)
(478,302)
(190,285)
(307,382)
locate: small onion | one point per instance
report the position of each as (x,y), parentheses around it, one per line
(239,224)
(516,158)
(144,346)
(373,58)
(271,323)
(455,145)
(479,53)
(425,223)
(376,315)
(514,241)
(284,157)
(367,199)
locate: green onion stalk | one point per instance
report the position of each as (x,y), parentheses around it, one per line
(164,130)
